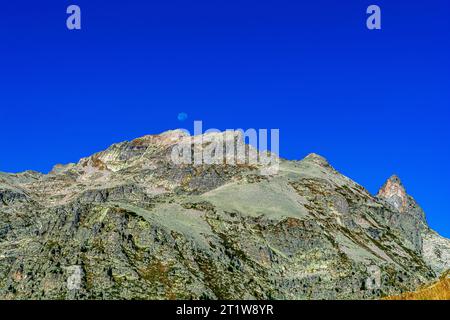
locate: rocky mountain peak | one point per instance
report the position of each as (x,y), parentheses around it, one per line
(317,159)
(395,179)
(394,192)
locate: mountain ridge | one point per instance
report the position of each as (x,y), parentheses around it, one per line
(136,225)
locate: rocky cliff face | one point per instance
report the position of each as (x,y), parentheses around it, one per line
(129,223)
(411,218)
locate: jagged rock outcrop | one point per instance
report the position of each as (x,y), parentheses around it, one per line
(408,217)
(128,222)
(395,194)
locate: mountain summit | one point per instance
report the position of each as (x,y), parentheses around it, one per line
(129,223)
(394,192)
(317,159)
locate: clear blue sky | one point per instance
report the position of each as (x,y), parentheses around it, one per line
(373,102)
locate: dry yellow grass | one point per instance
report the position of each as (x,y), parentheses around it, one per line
(439,290)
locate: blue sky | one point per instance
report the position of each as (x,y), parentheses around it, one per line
(373,102)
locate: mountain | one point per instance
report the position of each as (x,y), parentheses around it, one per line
(130,223)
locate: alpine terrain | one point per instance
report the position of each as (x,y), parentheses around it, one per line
(130,223)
